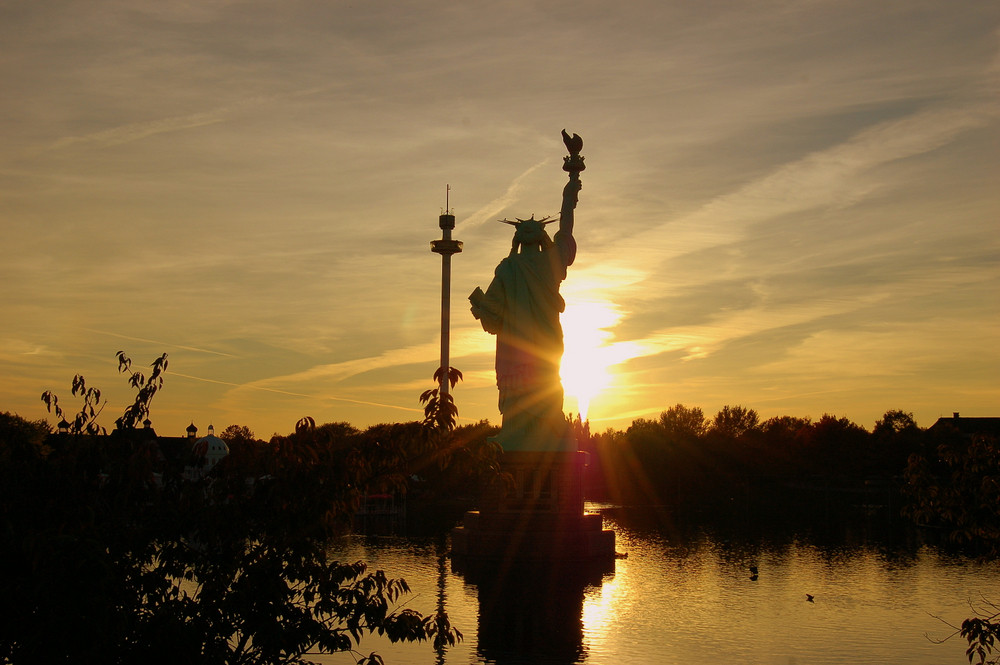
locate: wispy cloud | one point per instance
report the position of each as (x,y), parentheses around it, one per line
(491,210)
(140,130)
(136,131)
(335,372)
(466,340)
(837,177)
(324,397)
(17,350)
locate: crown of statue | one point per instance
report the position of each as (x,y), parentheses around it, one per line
(517,221)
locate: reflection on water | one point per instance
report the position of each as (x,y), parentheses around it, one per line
(685,595)
(532,614)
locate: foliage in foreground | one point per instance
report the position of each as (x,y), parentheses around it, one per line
(119,559)
(981,632)
(954,484)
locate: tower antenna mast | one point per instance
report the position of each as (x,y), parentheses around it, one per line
(446,246)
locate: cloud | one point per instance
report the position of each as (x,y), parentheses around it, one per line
(837,177)
(466,340)
(491,210)
(20,350)
(140,130)
(318,397)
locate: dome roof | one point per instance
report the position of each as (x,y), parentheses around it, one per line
(211,447)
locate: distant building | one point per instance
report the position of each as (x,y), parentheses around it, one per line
(205,454)
(193,457)
(968,427)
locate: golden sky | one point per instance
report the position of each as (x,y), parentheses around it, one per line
(792,206)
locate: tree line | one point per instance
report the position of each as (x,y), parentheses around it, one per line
(686,461)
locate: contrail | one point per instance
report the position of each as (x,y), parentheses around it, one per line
(293,394)
(140,130)
(159,343)
(491,209)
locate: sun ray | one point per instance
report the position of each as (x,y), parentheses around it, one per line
(588,355)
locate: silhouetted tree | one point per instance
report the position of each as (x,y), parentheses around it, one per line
(610,448)
(957,488)
(681,423)
(462,464)
(836,447)
(894,422)
(644,458)
(238,434)
(85,421)
(785,438)
(685,462)
(894,437)
(955,485)
(785,428)
(439,409)
(129,562)
(734,422)
(21,439)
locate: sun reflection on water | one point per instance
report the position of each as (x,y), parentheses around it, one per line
(685,595)
(598,605)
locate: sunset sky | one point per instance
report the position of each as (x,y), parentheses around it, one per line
(791,206)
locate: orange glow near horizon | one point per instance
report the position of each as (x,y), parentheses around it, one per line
(588,356)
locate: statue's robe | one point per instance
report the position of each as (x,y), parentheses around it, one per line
(521,307)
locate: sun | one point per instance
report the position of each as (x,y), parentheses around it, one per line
(587,356)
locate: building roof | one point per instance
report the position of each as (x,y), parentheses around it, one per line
(968,426)
(211,447)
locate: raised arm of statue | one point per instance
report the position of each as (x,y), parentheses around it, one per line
(571,194)
(572,164)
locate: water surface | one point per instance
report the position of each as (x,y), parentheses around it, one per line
(685,595)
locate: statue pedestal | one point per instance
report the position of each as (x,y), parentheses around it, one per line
(540,519)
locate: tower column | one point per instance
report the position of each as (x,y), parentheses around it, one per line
(446,246)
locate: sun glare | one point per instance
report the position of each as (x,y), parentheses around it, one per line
(587,357)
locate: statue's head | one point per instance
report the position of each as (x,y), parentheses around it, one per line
(530,231)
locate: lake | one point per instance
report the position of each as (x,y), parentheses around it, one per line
(685,594)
